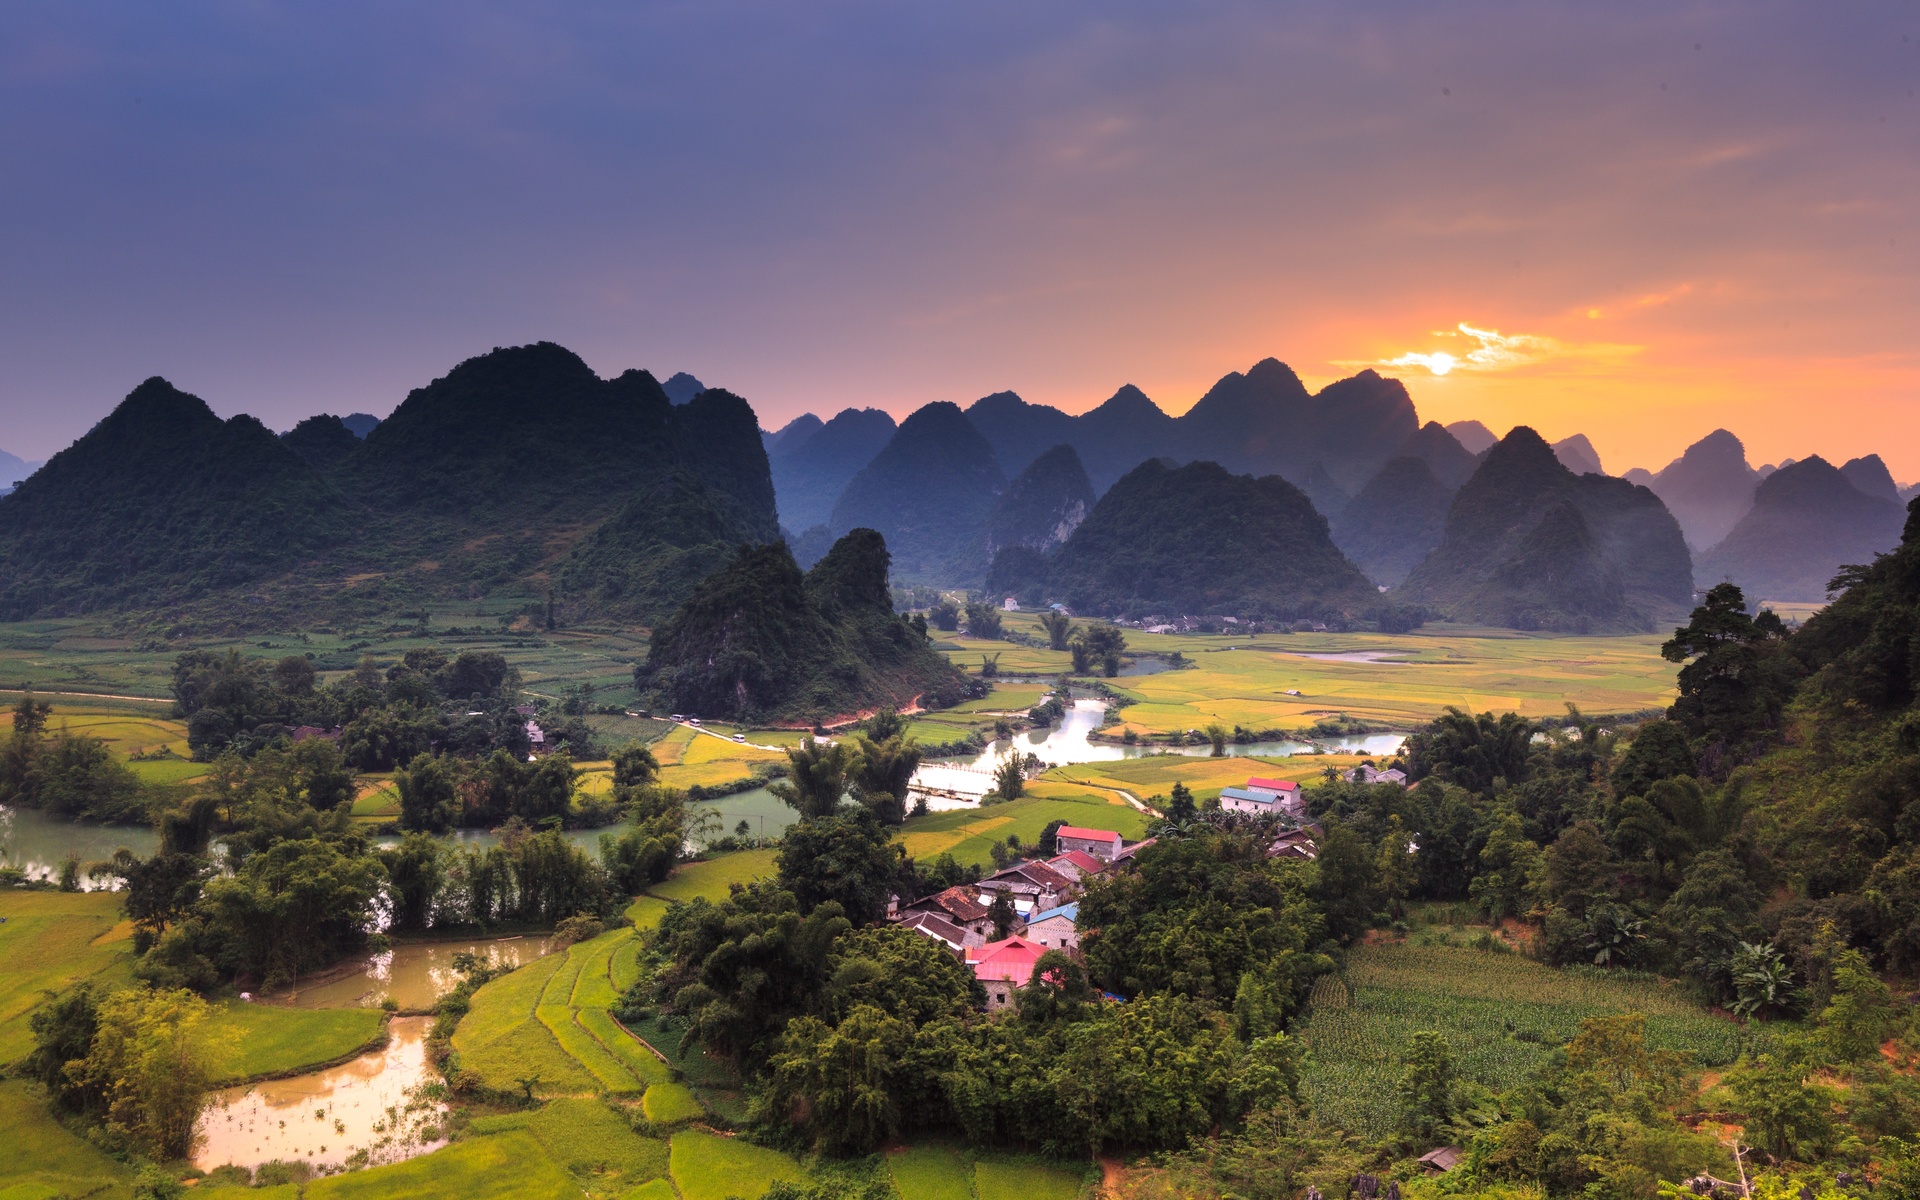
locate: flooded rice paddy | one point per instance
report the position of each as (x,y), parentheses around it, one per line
(413,975)
(379,1108)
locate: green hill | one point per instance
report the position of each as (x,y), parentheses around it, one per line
(1044,505)
(1531,545)
(161,503)
(811,467)
(759,640)
(517,471)
(1196,539)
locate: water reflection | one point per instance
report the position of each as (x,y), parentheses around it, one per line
(413,975)
(38,844)
(368,1111)
(1068,742)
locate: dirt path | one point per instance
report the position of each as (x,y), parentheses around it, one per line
(84,695)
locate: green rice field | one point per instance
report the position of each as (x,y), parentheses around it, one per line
(937,1172)
(50,941)
(251,1041)
(1501,1013)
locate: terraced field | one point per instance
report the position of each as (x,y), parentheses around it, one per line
(50,941)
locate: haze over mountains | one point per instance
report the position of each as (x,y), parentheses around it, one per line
(523,472)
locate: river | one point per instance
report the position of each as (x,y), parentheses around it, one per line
(38,844)
(1068,742)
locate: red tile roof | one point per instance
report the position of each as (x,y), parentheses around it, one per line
(957,901)
(1272,785)
(1011,960)
(1092,835)
(1085,863)
(936,926)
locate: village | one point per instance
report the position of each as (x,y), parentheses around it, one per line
(1003,925)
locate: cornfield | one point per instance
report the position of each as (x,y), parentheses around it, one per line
(1501,1013)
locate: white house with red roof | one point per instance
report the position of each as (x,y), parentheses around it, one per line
(1004,967)
(1076,865)
(1103,844)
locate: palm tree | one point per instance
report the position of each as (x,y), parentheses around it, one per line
(1059,628)
(817,777)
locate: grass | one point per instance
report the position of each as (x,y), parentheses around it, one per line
(1005,697)
(671,1103)
(43,1154)
(967,834)
(507,1166)
(1024,1179)
(50,941)
(965,652)
(930,1173)
(72,655)
(1501,1013)
(637,1059)
(597,1146)
(714,878)
(252,1040)
(709,1167)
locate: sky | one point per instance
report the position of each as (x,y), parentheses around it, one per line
(1640,221)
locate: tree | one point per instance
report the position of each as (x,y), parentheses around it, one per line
(148,1059)
(1658,751)
(1761,979)
(1010,777)
(1855,1022)
(848,859)
(839,1082)
(1180,806)
(1058,627)
(1394,871)
(816,777)
(1427,1087)
(1737,674)
(1472,752)
(294,675)
(416,871)
(428,801)
(1218,734)
(63,1030)
(945,616)
(983,621)
(1784,1117)
(1508,863)
(1002,913)
(634,766)
(883,773)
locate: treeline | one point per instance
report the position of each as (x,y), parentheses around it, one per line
(429,701)
(66,774)
(262,875)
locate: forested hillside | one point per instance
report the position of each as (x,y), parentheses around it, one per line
(494,477)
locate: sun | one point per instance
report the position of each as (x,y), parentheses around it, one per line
(1440,362)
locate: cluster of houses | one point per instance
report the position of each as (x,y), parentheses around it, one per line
(1043,893)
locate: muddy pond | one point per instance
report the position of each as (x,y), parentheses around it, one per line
(369,1111)
(412,974)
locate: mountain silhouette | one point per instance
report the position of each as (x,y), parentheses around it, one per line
(1395,521)
(1198,539)
(1531,545)
(1044,505)
(810,472)
(1708,488)
(1807,521)
(929,492)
